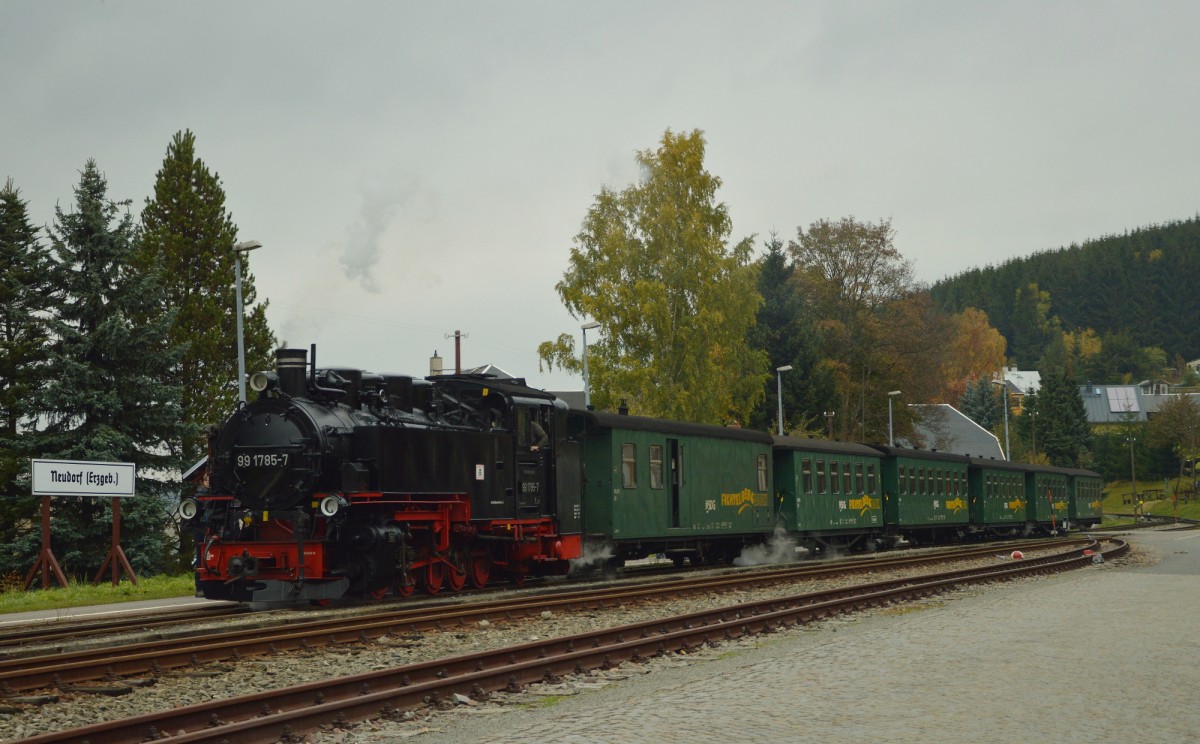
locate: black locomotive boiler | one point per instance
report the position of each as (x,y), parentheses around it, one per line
(337,482)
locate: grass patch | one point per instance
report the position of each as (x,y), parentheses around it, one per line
(546,701)
(79,594)
(909,608)
(1118,493)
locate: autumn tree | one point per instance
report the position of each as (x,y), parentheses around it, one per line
(110,394)
(976,350)
(27,303)
(878,331)
(915,339)
(1177,425)
(187,230)
(653,265)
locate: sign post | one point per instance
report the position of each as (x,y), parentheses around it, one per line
(116,557)
(91,479)
(46,563)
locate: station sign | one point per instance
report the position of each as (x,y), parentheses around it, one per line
(79,478)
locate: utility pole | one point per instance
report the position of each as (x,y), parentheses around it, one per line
(458,336)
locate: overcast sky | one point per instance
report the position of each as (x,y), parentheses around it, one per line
(417,168)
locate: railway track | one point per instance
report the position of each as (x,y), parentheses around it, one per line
(114,664)
(29,638)
(14,636)
(288,713)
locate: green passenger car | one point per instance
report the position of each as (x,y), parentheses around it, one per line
(829,493)
(1086,499)
(925,494)
(998,500)
(688,490)
(1049,504)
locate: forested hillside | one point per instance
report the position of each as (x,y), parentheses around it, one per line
(1136,291)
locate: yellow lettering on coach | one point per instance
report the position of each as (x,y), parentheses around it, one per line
(956,505)
(865,504)
(745,498)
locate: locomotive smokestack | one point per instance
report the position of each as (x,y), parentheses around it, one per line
(290,365)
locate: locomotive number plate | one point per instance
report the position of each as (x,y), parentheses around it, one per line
(263,460)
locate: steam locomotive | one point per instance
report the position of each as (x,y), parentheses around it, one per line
(336,482)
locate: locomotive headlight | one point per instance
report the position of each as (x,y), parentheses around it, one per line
(260,381)
(188,509)
(330,505)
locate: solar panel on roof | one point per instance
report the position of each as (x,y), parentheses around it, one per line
(1122,400)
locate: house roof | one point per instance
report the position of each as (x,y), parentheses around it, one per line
(1112,404)
(942,427)
(1023,381)
(490,370)
(573,398)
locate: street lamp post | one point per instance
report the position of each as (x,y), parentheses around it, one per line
(1007,448)
(891,395)
(244,247)
(587,383)
(829,419)
(1133,476)
(779,391)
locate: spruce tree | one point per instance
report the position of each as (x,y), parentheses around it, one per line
(1063,431)
(785,332)
(110,396)
(981,403)
(27,301)
(186,229)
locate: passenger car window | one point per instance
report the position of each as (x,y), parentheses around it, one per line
(628,465)
(656,466)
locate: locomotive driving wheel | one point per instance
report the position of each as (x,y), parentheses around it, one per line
(434,575)
(456,572)
(405,586)
(479,569)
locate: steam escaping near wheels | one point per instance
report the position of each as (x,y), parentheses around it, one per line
(595,557)
(781,548)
